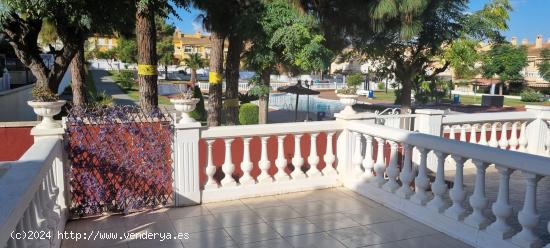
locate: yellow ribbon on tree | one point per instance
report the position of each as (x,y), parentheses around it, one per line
(147,70)
(215,77)
(231,102)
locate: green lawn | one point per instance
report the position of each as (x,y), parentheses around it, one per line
(382,96)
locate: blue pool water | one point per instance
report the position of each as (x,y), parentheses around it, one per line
(287,102)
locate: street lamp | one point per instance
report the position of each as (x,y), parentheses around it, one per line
(308,84)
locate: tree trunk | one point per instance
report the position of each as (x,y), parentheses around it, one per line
(263,101)
(215,80)
(501,89)
(165,72)
(193,77)
(406,96)
(78,78)
(233,62)
(147,57)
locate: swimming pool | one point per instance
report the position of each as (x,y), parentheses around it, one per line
(287,102)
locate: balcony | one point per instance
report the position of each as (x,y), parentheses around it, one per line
(454,180)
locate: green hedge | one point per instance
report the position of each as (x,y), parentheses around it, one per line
(531,95)
(199,114)
(248,114)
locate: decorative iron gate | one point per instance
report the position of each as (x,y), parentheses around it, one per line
(121,159)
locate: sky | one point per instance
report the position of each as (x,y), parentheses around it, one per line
(528,19)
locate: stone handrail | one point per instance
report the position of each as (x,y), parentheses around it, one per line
(32,197)
(390,184)
(270,129)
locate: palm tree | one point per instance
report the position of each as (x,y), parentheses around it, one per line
(194,62)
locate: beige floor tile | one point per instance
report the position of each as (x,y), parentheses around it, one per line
(314,240)
(238,218)
(272,243)
(292,227)
(313,208)
(217,238)
(332,221)
(277,213)
(252,233)
(358,236)
(226,206)
(400,229)
(262,202)
(184,212)
(431,242)
(196,224)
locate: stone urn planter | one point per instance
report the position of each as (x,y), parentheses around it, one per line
(348,101)
(185,106)
(47,110)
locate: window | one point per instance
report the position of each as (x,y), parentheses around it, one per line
(101,41)
(187,49)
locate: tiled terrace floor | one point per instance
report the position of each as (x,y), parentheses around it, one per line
(323,218)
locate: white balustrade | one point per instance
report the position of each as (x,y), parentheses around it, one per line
(357,159)
(528,216)
(503,141)
(297,160)
(493,142)
(483,134)
(32,200)
(380,165)
(270,180)
(523,138)
(264,164)
(280,162)
(329,156)
(210,168)
(501,208)
(368,163)
(407,173)
(393,171)
(439,188)
(246,164)
(421,182)
(478,200)
(473,134)
(313,158)
(514,137)
(457,193)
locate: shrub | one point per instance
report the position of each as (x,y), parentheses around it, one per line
(124,78)
(531,95)
(380,86)
(248,114)
(246,98)
(354,80)
(103,99)
(42,93)
(199,114)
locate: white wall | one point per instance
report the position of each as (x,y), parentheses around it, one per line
(13,104)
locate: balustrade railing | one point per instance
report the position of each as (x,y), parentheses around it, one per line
(270,172)
(404,184)
(33,208)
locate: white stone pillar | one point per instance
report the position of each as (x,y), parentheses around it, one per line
(538,131)
(502,208)
(186,165)
(428,121)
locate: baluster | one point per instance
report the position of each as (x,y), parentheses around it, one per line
(452,132)
(329,156)
(528,216)
(503,142)
(493,142)
(11,243)
(406,176)
(357,157)
(473,133)
(297,160)
(246,164)
(228,167)
(264,164)
(457,193)
(210,168)
(368,163)
(501,208)
(514,137)
(392,169)
(421,182)
(280,162)
(50,199)
(478,200)
(37,223)
(523,138)
(45,216)
(313,159)
(463,133)
(439,188)
(483,135)
(380,166)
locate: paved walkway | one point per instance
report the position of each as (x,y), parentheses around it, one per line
(104,82)
(329,218)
